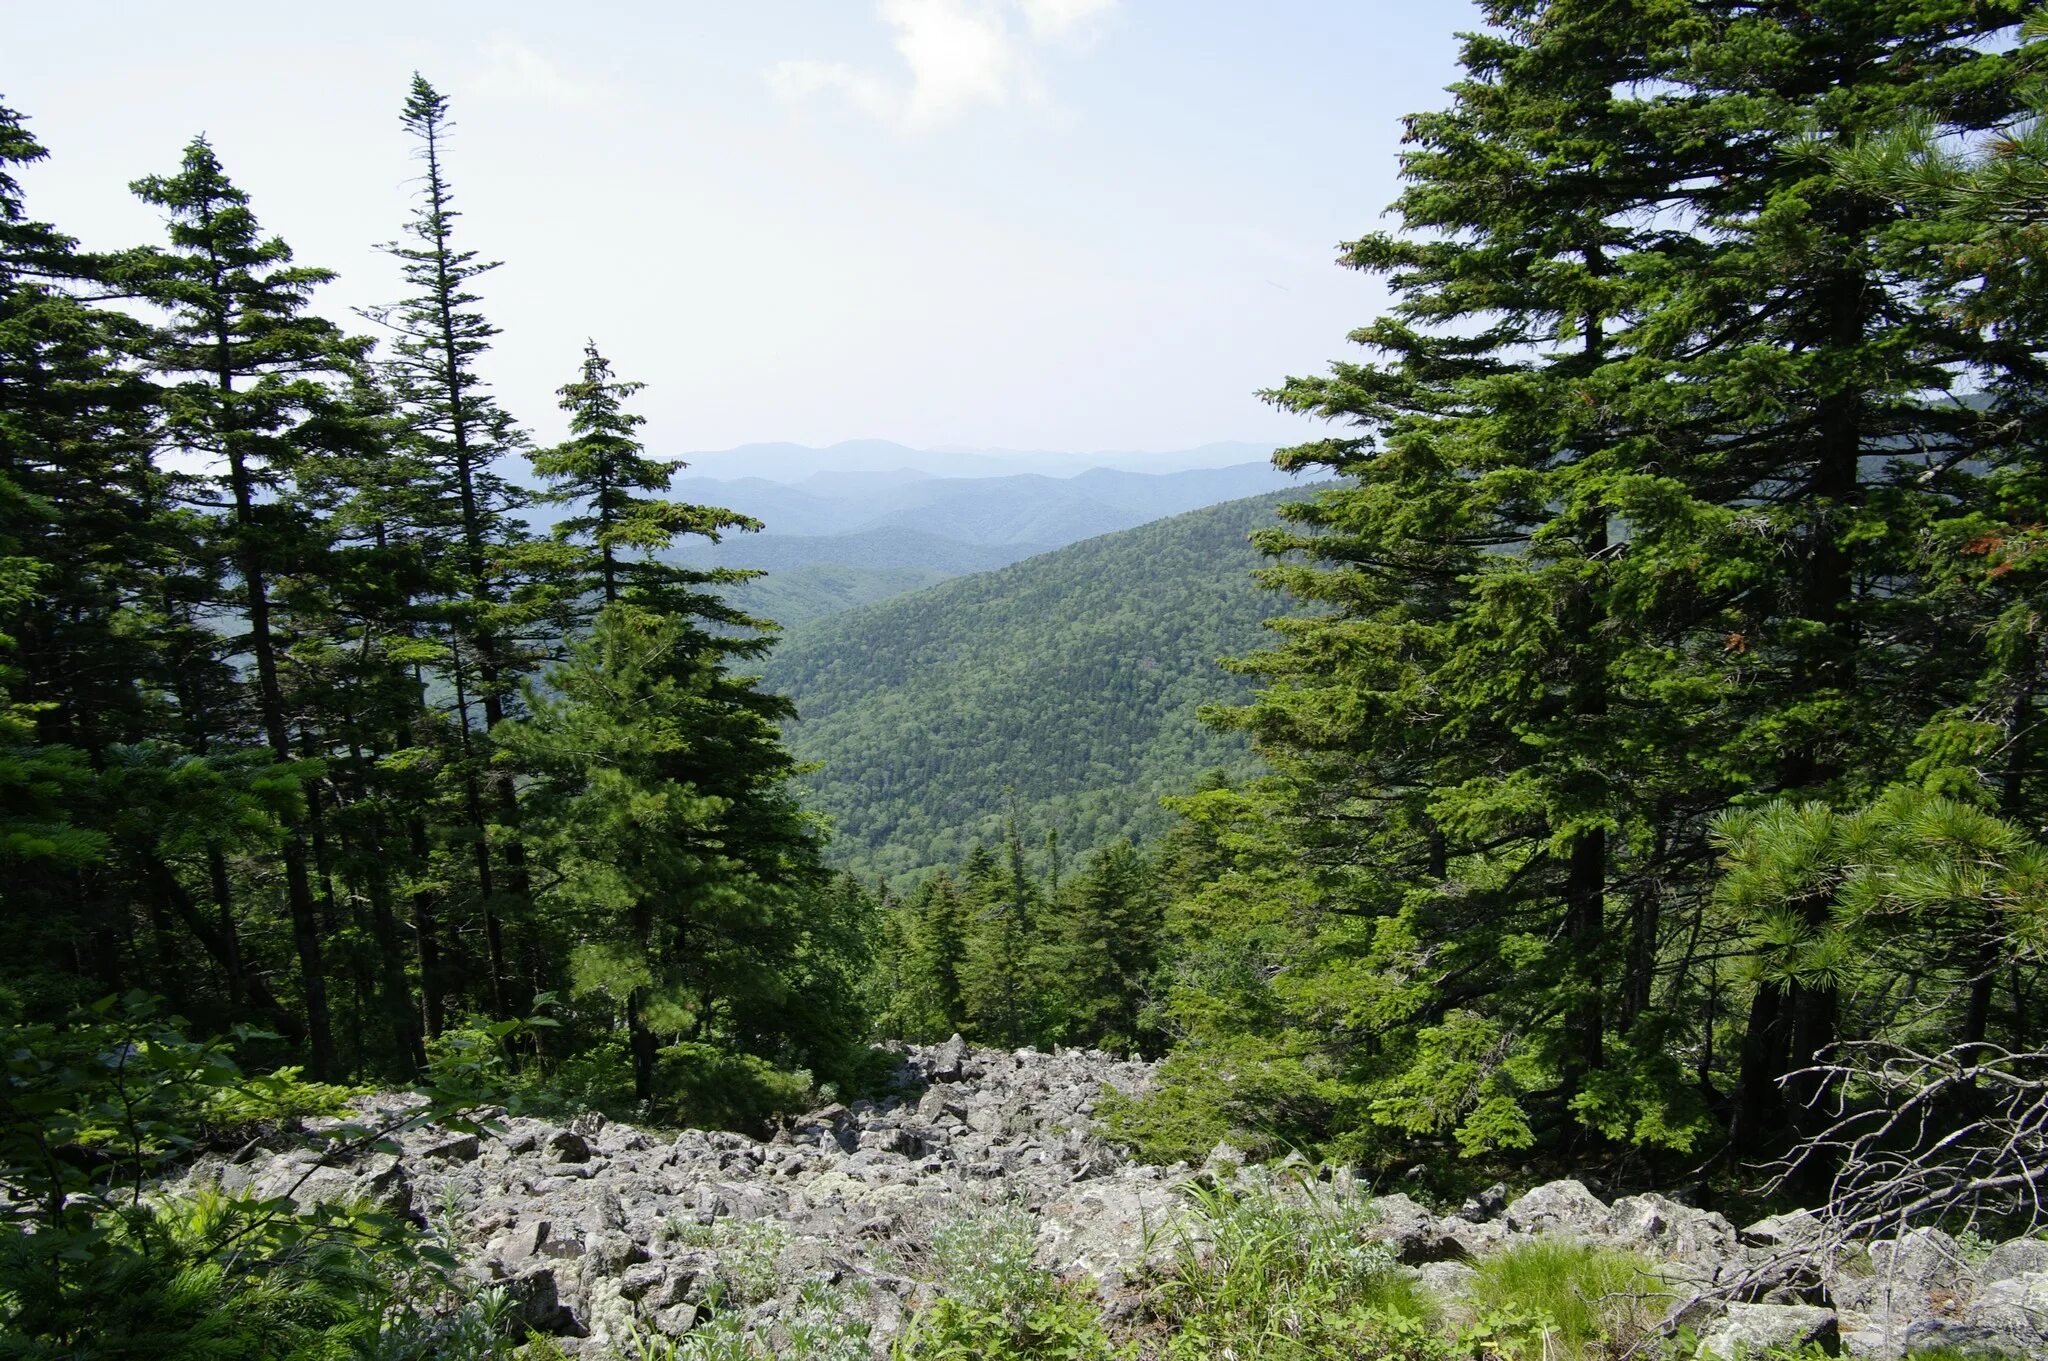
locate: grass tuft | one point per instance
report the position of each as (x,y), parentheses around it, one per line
(1578,1297)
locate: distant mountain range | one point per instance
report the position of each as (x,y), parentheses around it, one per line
(843,537)
(1066,686)
(872,457)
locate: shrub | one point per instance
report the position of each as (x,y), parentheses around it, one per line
(711,1087)
(96,1261)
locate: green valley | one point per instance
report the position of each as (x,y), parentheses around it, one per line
(1069,684)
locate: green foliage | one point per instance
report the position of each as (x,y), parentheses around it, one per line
(1264,1272)
(97,1261)
(749,1255)
(679,864)
(1909,884)
(709,1085)
(602,471)
(817,590)
(994,1303)
(1578,1300)
(1683,473)
(1000,954)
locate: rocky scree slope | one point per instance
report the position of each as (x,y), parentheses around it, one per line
(600,1232)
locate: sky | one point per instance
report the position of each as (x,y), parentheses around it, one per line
(1038,224)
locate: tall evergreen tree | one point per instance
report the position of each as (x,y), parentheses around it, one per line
(681,868)
(495,610)
(257,390)
(1624,541)
(1102,948)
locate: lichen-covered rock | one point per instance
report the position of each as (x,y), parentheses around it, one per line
(2005,1318)
(2020,1257)
(1661,1227)
(1415,1235)
(599,1232)
(1560,1208)
(1447,1281)
(1748,1331)
(1782,1231)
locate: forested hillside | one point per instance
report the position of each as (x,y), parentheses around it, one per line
(1068,684)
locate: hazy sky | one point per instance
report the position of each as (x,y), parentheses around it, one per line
(1063,224)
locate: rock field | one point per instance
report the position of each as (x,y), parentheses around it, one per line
(595,1229)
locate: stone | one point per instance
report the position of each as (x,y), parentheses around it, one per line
(1917,1276)
(1448,1281)
(570,1147)
(1748,1331)
(1224,1160)
(599,1231)
(2006,1318)
(2020,1257)
(1782,1231)
(536,1299)
(949,1061)
(1661,1227)
(463,1148)
(1411,1231)
(676,1320)
(1564,1208)
(1486,1205)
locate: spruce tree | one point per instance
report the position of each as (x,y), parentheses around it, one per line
(603,471)
(256,389)
(496,613)
(1102,947)
(683,872)
(1626,537)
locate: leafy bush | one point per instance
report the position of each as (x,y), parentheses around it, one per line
(713,1087)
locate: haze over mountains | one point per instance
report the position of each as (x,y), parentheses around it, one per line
(839,536)
(784,462)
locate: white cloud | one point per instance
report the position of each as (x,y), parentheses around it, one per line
(956,54)
(510,70)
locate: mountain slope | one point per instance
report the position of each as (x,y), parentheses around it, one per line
(1072,679)
(871,548)
(818,589)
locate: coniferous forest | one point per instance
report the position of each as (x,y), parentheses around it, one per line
(1642,750)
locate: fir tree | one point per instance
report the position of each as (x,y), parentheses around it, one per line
(456,434)
(1102,946)
(1619,547)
